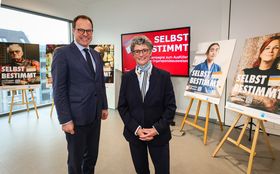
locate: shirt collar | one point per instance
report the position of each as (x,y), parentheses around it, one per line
(80,47)
(149,71)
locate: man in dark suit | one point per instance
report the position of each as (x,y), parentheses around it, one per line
(147,107)
(80,96)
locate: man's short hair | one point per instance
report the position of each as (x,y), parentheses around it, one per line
(81,17)
(14,47)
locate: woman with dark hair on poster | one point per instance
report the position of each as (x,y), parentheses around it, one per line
(206,68)
(260,88)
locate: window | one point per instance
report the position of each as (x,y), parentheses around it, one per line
(2,39)
(26,27)
(22,40)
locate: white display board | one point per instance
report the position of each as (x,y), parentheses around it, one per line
(256,87)
(209,70)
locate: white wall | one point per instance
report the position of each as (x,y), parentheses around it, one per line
(208,21)
(67,9)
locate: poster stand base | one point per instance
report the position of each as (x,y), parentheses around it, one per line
(251,124)
(194,124)
(251,150)
(24,101)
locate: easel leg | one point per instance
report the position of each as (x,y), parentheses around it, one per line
(226,135)
(206,123)
(52,108)
(197,111)
(267,140)
(255,139)
(186,114)
(243,131)
(34,103)
(219,116)
(250,129)
(24,97)
(11,107)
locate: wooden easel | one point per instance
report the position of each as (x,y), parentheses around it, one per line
(194,124)
(52,108)
(251,150)
(24,101)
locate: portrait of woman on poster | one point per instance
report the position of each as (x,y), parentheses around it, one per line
(207,66)
(266,66)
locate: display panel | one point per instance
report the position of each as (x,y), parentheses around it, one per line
(256,87)
(209,70)
(106,52)
(19,65)
(170,52)
(49,58)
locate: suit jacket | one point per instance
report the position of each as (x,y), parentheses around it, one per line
(158,108)
(78,96)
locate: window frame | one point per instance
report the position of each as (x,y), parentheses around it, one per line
(4,113)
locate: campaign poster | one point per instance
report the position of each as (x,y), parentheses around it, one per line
(19,65)
(50,48)
(106,52)
(209,70)
(170,52)
(256,88)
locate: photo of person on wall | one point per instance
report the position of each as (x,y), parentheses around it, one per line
(258,84)
(20,64)
(16,54)
(201,79)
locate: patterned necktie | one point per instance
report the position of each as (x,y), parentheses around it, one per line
(89,61)
(144,84)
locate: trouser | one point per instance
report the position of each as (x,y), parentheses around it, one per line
(83,148)
(159,156)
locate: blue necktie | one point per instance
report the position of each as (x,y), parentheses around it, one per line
(89,61)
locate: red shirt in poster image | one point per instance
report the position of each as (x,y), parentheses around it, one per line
(170,52)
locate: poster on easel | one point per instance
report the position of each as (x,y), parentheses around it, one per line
(209,70)
(106,52)
(50,48)
(256,87)
(19,65)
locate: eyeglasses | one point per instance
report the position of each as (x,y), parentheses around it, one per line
(14,51)
(82,31)
(144,51)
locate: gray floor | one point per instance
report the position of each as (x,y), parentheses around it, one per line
(31,146)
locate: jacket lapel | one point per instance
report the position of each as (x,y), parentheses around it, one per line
(135,83)
(96,62)
(152,83)
(81,59)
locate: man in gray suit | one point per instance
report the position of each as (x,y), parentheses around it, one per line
(80,96)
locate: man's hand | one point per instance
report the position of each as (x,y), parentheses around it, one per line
(146,134)
(68,127)
(36,64)
(105,114)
